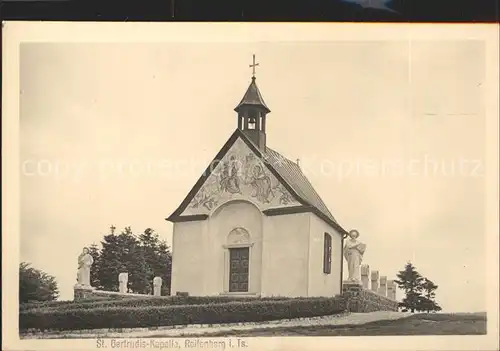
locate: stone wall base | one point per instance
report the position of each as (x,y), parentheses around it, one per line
(359,299)
(83,293)
(86,293)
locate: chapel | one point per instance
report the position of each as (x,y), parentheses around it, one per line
(253,225)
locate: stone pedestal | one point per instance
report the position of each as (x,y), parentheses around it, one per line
(358,299)
(374,278)
(82,292)
(382,290)
(123,282)
(391,290)
(365,275)
(351,291)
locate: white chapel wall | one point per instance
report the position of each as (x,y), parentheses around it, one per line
(321,284)
(232,215)
(188,255)
(285,255)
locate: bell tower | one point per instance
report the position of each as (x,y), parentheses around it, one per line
(252,112)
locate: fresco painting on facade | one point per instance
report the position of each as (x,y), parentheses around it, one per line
(205,199)
(285,198)
(240,174)
(229,179)
(261,184)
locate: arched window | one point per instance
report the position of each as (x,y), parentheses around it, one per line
(238,236)
(327,254)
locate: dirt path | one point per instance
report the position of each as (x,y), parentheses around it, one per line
(197,330)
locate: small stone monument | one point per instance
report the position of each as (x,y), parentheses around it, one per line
(123,280)
(382,290)
(365,273)
(391,290)
(374,278)
(157,281)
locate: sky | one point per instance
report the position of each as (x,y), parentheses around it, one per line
(390,133)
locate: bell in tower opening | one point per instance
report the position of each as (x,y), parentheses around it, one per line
(252,120)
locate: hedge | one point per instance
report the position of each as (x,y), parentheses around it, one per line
(148,302)
(40,304)
(131,317)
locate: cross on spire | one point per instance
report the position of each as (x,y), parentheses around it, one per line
(112,229)
(252,66)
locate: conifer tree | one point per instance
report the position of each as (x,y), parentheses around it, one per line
(427,301)
(122,252)
(410,281)
(142,256)
(96,255)
(158,259)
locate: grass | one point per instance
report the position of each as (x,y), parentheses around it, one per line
(419,324)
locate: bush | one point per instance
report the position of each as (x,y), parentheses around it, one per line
(131,317)
(147,302)
(36,285)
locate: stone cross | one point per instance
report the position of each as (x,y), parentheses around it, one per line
(123,280)
(382,290)
(365,273)
(374,277)
(391,290)
(157,281)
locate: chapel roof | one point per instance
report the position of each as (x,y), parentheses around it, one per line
(293,175)
(253,97)
(287,172)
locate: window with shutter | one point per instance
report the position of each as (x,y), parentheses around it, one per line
(327,254)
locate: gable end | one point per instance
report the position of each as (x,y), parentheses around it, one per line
(177,216)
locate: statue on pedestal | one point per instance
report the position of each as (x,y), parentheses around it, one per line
(85,261)
(353,253)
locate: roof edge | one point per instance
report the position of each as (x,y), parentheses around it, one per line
(191,218)
(341,231)
(287,210)
(187,199)
(304,209)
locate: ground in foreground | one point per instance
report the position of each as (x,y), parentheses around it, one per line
(419,324)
